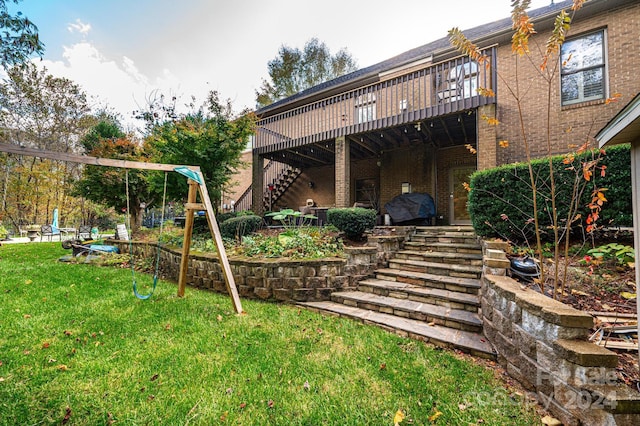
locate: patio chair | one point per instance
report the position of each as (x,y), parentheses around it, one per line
(84,232)
(48,231)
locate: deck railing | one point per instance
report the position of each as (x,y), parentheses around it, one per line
(274,171)
(397,98)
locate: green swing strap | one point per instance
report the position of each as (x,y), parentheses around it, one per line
(158,248)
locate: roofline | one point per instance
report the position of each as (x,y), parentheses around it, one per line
(544,21)
(621,121)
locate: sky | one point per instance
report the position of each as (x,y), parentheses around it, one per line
(124,53)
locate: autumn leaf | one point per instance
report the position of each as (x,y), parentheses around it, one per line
(243,404)
(26,316)
(306,385)
(154,377)
(470,148)
(628,295)
(270,404)
(219,318)
(466,186)
(550,421)
(45,345)
(398,418)
(27,282)
(62,367)
(434,417)
(503,144)
(67,416)
(383,366)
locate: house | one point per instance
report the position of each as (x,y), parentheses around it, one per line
(416,122)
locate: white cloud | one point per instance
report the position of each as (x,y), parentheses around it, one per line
(79,27)
(118,84)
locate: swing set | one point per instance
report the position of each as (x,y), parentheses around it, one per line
(196,186)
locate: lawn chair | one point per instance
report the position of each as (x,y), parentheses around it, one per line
(49,231)
(84,232)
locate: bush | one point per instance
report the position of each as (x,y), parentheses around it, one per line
(237,227)
(500,201)
(353,221)
(223,217)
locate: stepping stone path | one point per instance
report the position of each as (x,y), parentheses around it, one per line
(429,291)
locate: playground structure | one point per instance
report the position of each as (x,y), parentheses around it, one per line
(196,186)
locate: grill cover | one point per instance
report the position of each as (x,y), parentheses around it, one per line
(412,207)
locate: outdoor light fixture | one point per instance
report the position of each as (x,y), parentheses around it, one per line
(271,187)
(406,188)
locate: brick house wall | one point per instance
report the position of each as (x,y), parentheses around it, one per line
(575,124)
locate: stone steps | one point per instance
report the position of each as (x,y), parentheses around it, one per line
(468,342)
(428,291)
(441,315)
(443,247)
(440,257)
(445,282)
(434,296)
(452,270)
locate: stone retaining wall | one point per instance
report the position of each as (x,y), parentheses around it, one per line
(543,344)
(266,279)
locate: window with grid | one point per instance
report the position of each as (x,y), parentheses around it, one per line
(366,107)
(583,68)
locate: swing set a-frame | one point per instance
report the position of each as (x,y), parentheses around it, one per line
(196,185)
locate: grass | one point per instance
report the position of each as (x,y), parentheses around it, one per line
(77,348)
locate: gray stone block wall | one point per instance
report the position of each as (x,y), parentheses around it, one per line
(543,344)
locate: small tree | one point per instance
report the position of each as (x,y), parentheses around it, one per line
(108,185)
(546,69)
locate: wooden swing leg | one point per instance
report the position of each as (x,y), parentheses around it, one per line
(186,245)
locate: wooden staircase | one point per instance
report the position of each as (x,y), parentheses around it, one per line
(428,291)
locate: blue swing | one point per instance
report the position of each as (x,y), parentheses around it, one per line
(158,248)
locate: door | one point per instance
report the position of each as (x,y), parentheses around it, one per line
(458,213)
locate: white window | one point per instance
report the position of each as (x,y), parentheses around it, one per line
(460,82)
(583,68)
(366,107)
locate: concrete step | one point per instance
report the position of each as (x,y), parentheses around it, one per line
(443,247)
(435,296)
(473,343)
(452,237)
(445,282)
(450,269)
(441,315)
(440,257)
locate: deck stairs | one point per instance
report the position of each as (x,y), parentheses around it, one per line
(428,291)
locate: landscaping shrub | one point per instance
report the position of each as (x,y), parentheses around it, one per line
(237,227)
(353,221)
(500,200)
(223,217)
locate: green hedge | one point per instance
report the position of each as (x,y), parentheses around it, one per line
(237,227)
(500,200)
(353,221)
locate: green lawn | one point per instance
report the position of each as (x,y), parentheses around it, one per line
(77,348)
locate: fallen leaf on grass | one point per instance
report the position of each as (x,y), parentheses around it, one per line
(550,421)
(219,318)
(270,404)
(167,327)
(67,333)
(26,316)
(383,366)
(462,407)
(242,405)
(1,379)
(27,282)
(434,417)
(224,416)
(62,367)
(67,416)
(398,418)
(45,345)
(628,295)
(154,377)
(306,385)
